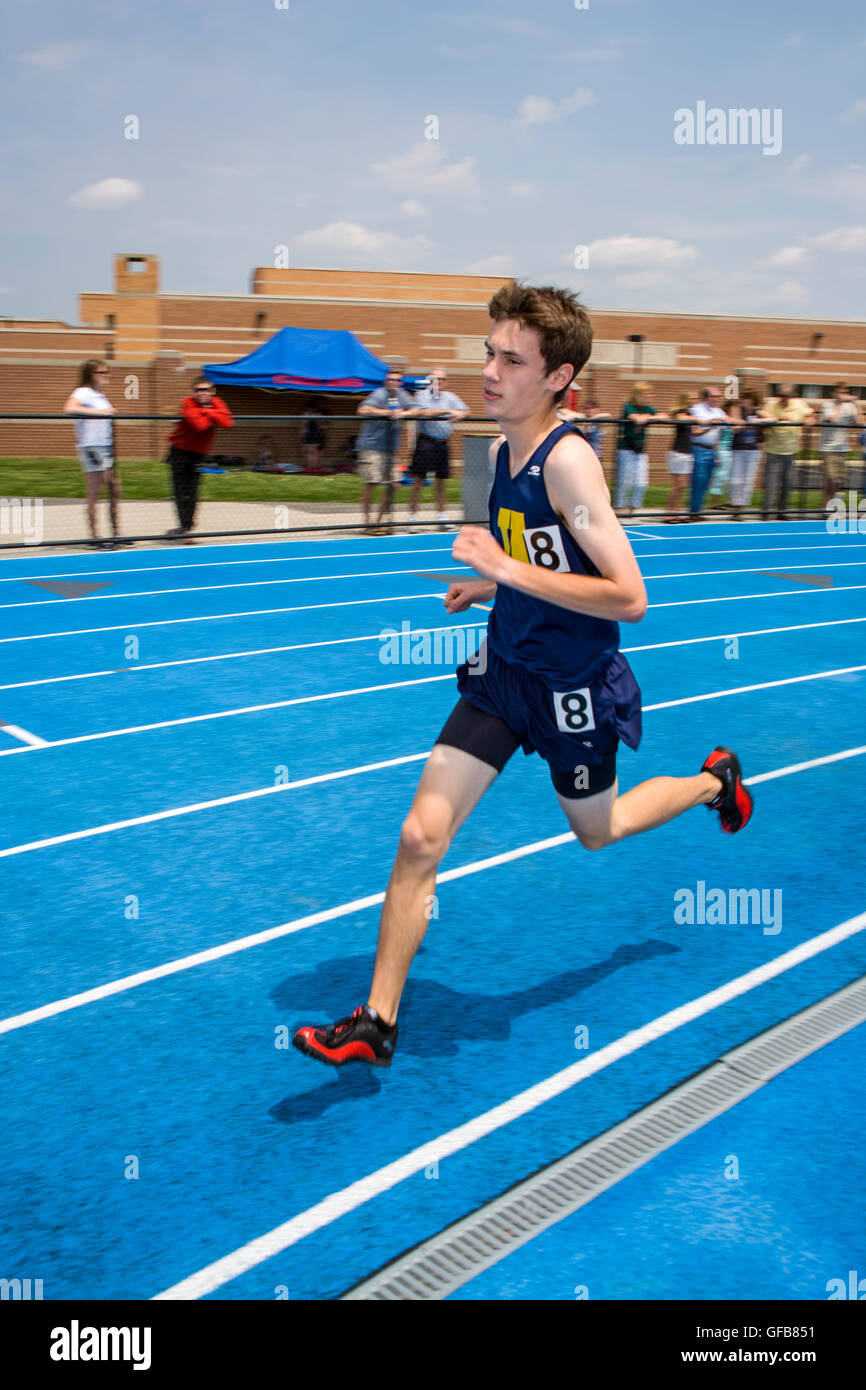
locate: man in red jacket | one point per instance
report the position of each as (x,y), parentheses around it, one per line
(190,442)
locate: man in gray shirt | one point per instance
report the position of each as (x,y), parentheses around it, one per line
(431,445)
(379,441)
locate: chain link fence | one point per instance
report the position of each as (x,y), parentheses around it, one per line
(272,475)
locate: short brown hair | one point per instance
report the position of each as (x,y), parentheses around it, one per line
(558,317)
(88,370)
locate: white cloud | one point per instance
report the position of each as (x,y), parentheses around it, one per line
(108,193)
(351,240)
(793,41)
(798,164)
(638,252)
(842,239)
(520,190)
(855,110)
(492,265)
(412,208)
(53,56)
(788,292)
(535,110)
(784,257)
(424,169)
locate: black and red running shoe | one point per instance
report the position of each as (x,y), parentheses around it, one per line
(362,1037)
(734,802)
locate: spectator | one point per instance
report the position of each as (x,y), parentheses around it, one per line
(431,444)
(190,442)
(705,437)
(593,432)
(94,439)
(314,436)
(680,461)
(842,411)
(632,462)
(379,441)
(782,445)
(724,461)
(745,450)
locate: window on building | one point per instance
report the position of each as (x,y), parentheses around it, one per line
(109,322)
(135,264)
(109,352)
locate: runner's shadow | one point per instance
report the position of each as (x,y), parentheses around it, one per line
(434,1019)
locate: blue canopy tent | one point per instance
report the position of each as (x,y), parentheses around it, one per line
(307,359)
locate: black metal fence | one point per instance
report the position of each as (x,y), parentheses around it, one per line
(278,474)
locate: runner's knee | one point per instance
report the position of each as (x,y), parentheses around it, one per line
(594,839)
(425,837)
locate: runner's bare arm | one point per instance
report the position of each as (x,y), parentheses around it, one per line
(578,493)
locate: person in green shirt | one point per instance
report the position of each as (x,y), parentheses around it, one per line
(632,460)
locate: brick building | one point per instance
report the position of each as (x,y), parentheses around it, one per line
(157,341)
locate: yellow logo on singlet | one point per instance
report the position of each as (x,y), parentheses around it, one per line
(511,527)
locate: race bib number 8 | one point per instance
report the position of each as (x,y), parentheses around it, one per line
(573,710)
(545,549)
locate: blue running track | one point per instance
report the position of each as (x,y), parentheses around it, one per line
(202,747)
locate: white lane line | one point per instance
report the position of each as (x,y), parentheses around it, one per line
(221,564)
(215,617)
(806,766)
(330,914)
(15,732)
(742,598)
(738,533)
(209,588)
(377,636)
(394,598)
(256,651)
(726,636)
(702,574)
(154,816)
(637,533)
(232,800)
(431,550)
(744,550)
(230,713)
(392,685)
(222,1271)
(746,689)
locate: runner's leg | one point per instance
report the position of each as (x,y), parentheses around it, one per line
(452,784)
(607,817)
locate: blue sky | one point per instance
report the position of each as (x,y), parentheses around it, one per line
(306,126)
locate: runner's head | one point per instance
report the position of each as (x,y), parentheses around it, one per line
(93,373)
(540,339)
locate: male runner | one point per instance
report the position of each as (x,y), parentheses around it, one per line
(554,681)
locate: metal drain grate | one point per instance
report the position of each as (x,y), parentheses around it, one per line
(456,1255)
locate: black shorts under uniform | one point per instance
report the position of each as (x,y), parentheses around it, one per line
(431,455)
(504,707)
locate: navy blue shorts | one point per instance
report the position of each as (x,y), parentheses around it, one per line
(575,731)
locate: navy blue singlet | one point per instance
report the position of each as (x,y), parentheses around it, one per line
(562,648)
